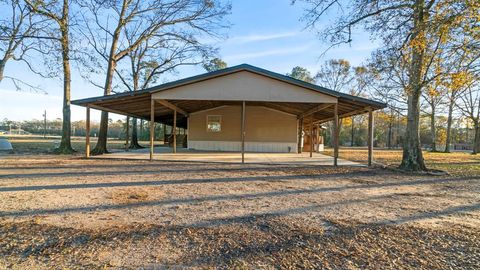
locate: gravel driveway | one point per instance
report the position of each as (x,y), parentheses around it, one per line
(72,212)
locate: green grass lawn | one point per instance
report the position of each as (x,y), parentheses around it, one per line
(456,163)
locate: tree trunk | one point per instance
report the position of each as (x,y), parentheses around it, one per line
(412,152)
(412,159)
(353,132)
(2,68)
(101,146)
(476,140)
(65,143)
(433,131)
(397,133)
(466,134)
(449,127)
(389,139)
(134,141)
(127,133)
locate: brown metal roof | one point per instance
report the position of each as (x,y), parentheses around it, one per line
(137,104)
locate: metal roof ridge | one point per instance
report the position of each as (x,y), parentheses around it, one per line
(226,71)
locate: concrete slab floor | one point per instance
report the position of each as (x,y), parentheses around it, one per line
(183,154)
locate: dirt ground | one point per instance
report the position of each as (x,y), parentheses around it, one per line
(68,212)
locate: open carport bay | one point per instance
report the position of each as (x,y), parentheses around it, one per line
(183,154)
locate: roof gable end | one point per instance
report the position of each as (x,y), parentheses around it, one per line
(244,85)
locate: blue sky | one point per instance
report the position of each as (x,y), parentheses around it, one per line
(264,33)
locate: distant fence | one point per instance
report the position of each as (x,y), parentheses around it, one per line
(463,146)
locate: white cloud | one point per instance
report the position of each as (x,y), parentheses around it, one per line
(263,37)
(265,53)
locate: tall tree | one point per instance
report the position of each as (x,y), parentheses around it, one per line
(167,18)
(335,74)
(361,79)
(19,33)
(470,107)
(58,12)
(434,97)
(455,84)
(415,28)
(387,83)
(214,64)
(157,56)
(302,74)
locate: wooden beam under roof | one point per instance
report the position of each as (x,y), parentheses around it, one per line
(356,112)
(171,106)
(315,109)
(114,111)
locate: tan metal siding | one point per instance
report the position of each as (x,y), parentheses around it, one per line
(262,125)
(246,86)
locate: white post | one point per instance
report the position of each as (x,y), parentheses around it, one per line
(370,137)
(87,135)
(311,136)
(175,131)
(335,136)
(243,131)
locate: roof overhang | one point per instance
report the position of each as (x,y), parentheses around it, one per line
(137,104)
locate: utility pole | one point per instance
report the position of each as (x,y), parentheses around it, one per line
(45,124)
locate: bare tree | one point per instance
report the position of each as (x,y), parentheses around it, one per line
(165,18)
(58,12)
(335,74)
(455,85)
(387,83)
(19,31)
(360,81)
(414,28)
(214,64)
(158,55)
(470,107)
(434,98)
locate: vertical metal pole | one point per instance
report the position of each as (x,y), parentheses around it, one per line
(127,133)
(300,135)
(335,136)
(175,131)
(87,133)
(45,124)
(152,127)
(311,136)
(164,134)
(243,131)
(370,137)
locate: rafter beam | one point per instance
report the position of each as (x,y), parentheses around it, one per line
(356,112)
(315,109)
(171,106)
(278,107)
(105,109)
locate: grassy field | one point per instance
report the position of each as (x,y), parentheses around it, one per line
(456,163)
(36,144)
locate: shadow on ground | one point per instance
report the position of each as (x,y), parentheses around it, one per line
(255,242)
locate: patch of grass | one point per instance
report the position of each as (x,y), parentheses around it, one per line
(456,163)
(130,195)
